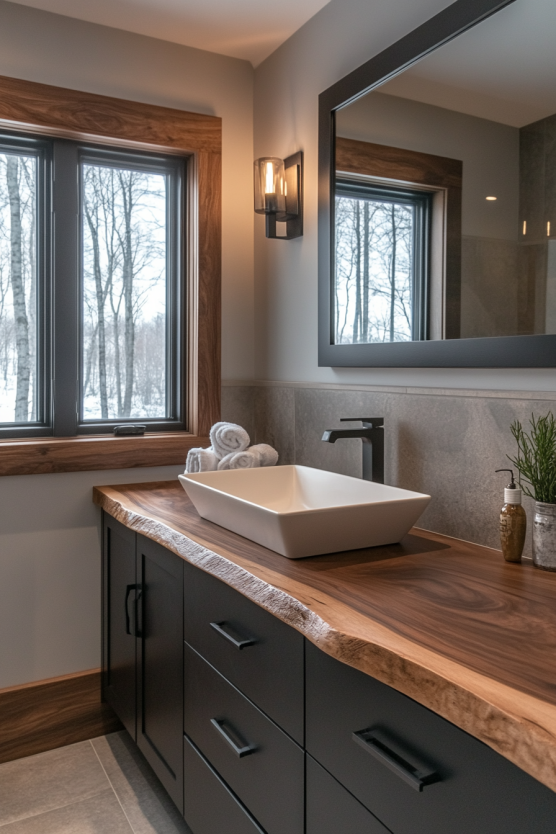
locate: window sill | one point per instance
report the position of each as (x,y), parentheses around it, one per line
(40,456)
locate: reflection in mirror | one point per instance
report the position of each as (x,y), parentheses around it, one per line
(446,191)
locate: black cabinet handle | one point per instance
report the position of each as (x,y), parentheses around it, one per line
(416,774)
(128,590)
(220,628)
(240,752)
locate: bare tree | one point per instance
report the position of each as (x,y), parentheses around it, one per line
(373,288)
(18,292)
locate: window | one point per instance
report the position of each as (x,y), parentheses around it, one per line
(382,262)
(173,319)
(115,289)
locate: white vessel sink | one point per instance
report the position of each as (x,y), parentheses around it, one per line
(299,511)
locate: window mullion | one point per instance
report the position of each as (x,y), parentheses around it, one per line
(66,269)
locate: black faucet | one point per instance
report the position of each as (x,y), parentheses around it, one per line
(372,435)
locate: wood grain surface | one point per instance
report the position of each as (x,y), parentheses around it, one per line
(446,622)
(79,454)
(47,714)
(77,115)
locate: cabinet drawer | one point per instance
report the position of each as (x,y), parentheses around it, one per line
(258,653)
(477,790)
(209,805)
(259,762)
(331,809)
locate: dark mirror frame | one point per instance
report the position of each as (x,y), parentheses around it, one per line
(489,352)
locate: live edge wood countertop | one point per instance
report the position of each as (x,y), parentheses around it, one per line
(448,623)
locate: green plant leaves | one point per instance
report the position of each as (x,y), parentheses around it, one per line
(536,457)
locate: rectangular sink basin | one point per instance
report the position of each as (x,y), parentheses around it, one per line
(299,511)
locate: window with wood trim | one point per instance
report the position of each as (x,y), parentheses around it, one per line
(110,241)
(433,281)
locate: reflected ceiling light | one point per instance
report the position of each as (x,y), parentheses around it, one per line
(492,198)
(525,227)
(279,194)
(548,229)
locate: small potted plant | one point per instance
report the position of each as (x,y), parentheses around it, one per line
(536,464)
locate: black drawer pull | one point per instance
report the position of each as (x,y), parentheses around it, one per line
(240,752)
(220,628)
(418,775)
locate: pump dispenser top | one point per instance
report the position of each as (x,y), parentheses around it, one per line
(512,493)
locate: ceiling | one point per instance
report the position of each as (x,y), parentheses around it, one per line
(248,29)
(504,69)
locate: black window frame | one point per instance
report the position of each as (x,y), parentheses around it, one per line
(421,201)
(60,280)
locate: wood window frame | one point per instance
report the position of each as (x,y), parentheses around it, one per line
(441,175)
(71,114)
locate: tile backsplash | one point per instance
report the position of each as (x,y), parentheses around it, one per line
(446,443)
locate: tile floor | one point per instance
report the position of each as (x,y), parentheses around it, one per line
(102,786)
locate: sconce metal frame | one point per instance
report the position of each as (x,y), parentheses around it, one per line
(293,216)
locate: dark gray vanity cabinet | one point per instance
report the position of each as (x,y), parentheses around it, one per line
(253,730)
(143,647)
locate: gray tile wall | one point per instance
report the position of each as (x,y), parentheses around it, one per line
(444,443)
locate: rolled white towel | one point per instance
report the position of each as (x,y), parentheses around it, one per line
(201,460)
(227,438)
(268,455)
(240,460)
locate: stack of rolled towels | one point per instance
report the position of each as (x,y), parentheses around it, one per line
(230,449)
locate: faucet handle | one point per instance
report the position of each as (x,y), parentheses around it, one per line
(375,422)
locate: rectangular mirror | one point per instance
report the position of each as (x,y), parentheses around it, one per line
(437,223)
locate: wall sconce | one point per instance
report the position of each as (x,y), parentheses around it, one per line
(279,194)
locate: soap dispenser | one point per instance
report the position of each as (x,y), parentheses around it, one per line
(513,521)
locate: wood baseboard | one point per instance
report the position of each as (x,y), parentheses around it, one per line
(41,716)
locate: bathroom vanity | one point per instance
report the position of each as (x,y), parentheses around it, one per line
(409,688)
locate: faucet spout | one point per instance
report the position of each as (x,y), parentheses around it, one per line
(372,435)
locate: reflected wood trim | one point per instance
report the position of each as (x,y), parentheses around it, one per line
(415,167)
(397,164)
(80,454)
(41,716)
(78,115)
(446,622)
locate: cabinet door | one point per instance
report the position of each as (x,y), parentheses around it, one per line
(119,588)
(160,664)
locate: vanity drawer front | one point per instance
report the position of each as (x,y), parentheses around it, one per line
(260,763)
(478,790)
(267,666)
(209,805)
(331,809)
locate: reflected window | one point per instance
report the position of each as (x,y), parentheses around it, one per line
(382,263)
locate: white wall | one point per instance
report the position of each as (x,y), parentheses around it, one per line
(338,39)
(49,545)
